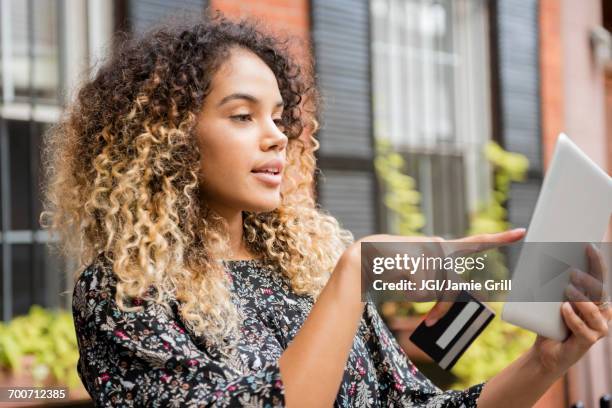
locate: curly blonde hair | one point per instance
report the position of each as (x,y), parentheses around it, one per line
(122,177)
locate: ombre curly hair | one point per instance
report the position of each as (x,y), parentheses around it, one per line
(122,177)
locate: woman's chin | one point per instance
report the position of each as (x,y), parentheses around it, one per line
(265,206)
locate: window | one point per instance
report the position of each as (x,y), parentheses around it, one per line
(45,47)
(30,275)
(431,99)
(30,58)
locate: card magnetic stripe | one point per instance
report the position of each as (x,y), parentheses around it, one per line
(465,338)
(426,337)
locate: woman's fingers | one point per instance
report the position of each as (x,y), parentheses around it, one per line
(578,326)
(590,313)
(481,242)
(597,267)
(497,238)
(437,312)
(598,271)
(587,284)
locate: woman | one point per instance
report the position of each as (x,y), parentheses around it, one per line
(179,179)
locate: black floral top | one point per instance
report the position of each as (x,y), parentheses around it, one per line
(149,358)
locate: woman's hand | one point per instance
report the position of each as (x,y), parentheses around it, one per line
(524,381)
(586,315)
(479,242)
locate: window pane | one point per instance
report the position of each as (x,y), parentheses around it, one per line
(34,47)
(51,281)
(415,67)
(46,64)
(36,278)
(22,271)
(25,173)
(35,149)
(1,284)
(19,153)
(3,128)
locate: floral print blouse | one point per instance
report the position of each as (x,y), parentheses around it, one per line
(149,358)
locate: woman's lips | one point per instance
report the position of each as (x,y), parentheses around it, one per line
(270,179)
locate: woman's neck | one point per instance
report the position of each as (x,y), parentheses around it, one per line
(238,247)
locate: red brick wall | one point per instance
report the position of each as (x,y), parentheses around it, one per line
(607,12)
(283,17)
(290,14)
(609,118)
(552,108)
(551,75)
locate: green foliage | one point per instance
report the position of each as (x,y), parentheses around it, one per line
(401,196)
(500,343)
(390,309)
(47,335)
(508,167)
(403,200)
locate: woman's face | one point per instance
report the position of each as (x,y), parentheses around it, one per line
(242,145)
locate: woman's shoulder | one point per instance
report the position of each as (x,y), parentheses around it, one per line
(96,276)
(94,297)
(99,280)
(92,273)
(95,283)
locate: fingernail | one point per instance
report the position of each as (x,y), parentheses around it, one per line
(521,229)
(430,321)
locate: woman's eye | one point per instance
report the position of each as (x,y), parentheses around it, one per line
(241,118)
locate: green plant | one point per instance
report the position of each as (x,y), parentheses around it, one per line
(403,200)
(500,343)
(401,196)
(508,167)
(50,338)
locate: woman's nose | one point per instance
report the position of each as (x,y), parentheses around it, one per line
(273,137)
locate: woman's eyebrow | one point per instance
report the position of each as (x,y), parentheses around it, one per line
(246,97)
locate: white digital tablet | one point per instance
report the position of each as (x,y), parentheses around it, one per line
(574,205)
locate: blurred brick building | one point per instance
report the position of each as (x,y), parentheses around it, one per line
(576,97)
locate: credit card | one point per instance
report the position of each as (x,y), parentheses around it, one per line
(447,340)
